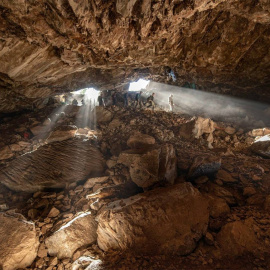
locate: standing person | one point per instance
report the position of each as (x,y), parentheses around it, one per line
(125,99)
(114,99)
(100,100)
(171,103)
(138,99)
(150,100)
(75,102)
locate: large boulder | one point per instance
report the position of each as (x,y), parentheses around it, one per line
(103,115)
(262,146)
(79,232)
(52,166)
(162,221)
(237,238)
(18,242)
(150,165)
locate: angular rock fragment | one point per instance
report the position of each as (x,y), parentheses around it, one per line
(150,165)
(18,242)
(80,231)
(5,153)
(237,238)
(162,221)
(139,140)
(53,166)
(225,177)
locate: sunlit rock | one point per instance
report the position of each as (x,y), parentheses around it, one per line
(262,146)
(78,232)
(62,133)
(53,166)
(155,222)
(18,242)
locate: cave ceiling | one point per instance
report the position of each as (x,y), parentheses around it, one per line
(54,46)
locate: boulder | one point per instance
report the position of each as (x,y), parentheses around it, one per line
(225,177)
(162,221)
(262,146)
(221,192)
(167,163)
(237,238)
(39,130)
(5,153)
(18,242)
(217,206)
(103,115)
(150,165)
(53,166)
(80,231)
(204,165)
(62,133)
(139,140)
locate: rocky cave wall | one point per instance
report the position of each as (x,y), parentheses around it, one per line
(49,47)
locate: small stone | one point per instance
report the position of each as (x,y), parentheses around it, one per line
(42,251)
(53,213)
(209,239)
(54,261)
(202,179)
(249,191)
(230,130)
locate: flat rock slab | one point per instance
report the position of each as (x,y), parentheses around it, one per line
(53,165)
(79,232)
(162,221)
(18,242)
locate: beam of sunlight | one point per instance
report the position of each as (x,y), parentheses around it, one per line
(210,105)
(86,116)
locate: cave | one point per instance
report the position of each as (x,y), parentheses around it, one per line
(134,134)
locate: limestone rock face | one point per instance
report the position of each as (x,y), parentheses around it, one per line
(150,165)
(262,146)
(155,222)
(18,242)
(237,238)
(56,46)
(80,231)
(53,166)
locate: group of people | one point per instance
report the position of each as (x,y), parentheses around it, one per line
(136,102)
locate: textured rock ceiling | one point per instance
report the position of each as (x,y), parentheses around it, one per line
(52,46)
